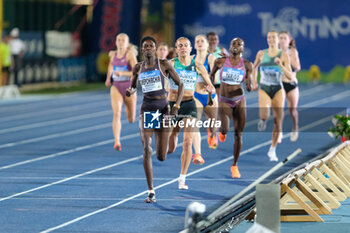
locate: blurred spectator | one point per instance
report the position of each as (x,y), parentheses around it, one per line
(162,50)
(5,52)
(17,51)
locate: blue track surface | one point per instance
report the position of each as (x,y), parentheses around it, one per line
(59,171)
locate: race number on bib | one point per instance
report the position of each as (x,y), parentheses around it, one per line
(232,76)
(120,69)
(189,78)
(270,75)
(150,81)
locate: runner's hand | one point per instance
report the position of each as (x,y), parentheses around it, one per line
(278,61)
(130,91)
(174,111)
(210,100)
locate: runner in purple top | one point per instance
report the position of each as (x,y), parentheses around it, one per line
(151,74)
(120,70)
(234,71)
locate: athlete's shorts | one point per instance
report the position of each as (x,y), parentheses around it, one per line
(203,98)
(270,90)
(122,86)
(232,102)
(152,105)
(288,86)
(187,109)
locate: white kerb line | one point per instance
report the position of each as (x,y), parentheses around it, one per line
(68,151)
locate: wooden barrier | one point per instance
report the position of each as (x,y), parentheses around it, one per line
(318,188)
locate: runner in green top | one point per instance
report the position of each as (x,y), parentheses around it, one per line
(273,64)
(188,70)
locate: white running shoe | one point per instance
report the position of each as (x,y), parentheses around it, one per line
(272,155)
(280,136)
(261,125)
(182,185)
(294,135)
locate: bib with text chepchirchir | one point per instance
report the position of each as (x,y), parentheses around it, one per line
(150,81)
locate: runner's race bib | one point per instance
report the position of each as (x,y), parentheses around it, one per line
(120,69)
(150,81)
(189,78)
(270,75)
(232,76)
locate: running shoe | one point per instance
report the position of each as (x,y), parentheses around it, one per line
(213,142)
(222,137)
(280,136)
(261,125)
(151,198)
(197,159)
(117,146)
(294,135)
(182,185)
(235,172)
(272,155)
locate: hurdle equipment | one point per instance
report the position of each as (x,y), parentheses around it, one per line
(318,188)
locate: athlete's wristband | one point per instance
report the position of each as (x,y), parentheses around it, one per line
(176,106)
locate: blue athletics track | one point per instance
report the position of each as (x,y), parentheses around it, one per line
(60,173)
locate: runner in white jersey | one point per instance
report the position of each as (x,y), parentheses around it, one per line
(287,44)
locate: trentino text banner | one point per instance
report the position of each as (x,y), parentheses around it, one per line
(321,28)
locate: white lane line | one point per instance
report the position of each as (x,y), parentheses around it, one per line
(59,121)
(64,120)
(68,151)
(47,101)
(79,175)
(50,111)
(56,135)
(106,167)
(65,109)
(72,177)
(115,178)
(321,121)
(309,91)
(325,100)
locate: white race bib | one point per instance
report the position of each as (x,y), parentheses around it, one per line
(150,81)
(270,75)
(120,69)
(232,76)
(189,78)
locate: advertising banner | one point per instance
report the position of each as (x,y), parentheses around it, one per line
(111,17)
(321,28)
